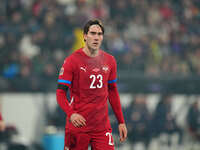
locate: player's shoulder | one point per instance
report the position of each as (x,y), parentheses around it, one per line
(110,58)
(73,56)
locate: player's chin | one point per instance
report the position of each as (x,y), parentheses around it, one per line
(95,46)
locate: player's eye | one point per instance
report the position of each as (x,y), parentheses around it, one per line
(96,33)
(93,33)
(100,33)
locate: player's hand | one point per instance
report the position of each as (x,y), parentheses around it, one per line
(77,120)
(122,132)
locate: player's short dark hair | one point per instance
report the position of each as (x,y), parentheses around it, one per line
(90,23)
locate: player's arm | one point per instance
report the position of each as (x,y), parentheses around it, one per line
(114,100)
(62,100)
(116,106)
(64,82)
(76,119)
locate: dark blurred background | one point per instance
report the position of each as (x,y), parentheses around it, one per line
(156,44)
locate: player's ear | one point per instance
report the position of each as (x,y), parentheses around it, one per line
(84,37)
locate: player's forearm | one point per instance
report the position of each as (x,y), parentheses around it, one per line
(114,100)
(63,102)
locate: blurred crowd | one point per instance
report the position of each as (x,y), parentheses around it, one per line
(152,37)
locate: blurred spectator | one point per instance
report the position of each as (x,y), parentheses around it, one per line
(12,143)
(164,122)
(139,121)
(193,120)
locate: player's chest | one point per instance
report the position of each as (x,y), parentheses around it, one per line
(93,74)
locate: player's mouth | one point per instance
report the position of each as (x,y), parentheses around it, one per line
(95,44)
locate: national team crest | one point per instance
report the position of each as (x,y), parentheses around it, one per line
(105,68)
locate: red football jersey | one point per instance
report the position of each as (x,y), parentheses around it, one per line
(88,79)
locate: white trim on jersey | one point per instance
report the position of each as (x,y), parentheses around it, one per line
(71,101)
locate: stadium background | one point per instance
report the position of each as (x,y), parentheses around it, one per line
(157,47)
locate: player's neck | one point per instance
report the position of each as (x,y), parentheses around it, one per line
(91,52)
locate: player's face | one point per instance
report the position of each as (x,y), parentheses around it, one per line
(94,37)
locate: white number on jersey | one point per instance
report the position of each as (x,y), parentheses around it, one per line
(94,78)
(110,138)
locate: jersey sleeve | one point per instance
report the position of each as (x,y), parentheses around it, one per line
(113,72)
(113,94)
(65,81)
(66,73)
